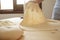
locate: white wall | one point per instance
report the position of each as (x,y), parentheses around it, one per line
(48,7)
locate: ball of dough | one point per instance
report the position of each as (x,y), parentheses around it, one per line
(10,32)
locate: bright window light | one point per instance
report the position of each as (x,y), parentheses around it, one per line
(6,4)
(21,1)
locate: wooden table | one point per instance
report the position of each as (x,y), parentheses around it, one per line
(53,34)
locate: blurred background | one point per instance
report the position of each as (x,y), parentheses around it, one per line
(14,8)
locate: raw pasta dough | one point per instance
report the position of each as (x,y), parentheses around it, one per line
(33,15)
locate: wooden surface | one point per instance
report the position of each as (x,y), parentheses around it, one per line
(36,35)
(50,33)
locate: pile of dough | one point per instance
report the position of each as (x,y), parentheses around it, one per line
(33,15)
(9,31)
